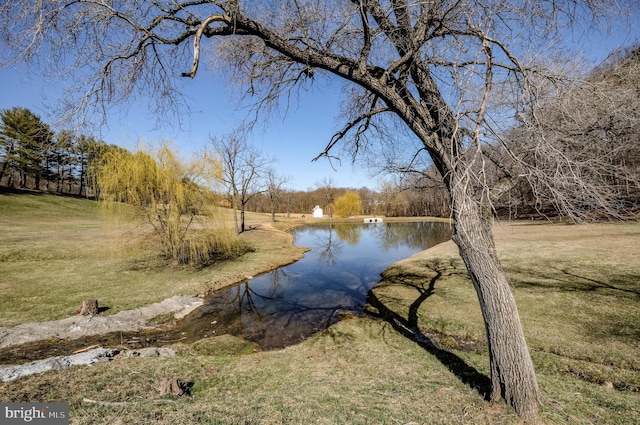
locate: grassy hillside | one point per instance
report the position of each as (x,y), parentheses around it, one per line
(577,288)
(57,251)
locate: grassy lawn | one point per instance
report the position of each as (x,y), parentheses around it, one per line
(577,288)
(578,293)
(57,251)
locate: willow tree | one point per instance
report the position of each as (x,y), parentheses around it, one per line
(443,73)
(348,204)
(170,196)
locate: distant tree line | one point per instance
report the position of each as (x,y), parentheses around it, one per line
(33,156)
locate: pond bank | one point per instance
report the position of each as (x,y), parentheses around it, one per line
(135,320)
(581,279)
(132,328)
(76,327)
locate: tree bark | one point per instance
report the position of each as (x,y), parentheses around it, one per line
(234,207)
(7,156)
(88,308)
(512,374)
(172,386)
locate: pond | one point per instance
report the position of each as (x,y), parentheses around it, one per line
(291,303)
(285,306)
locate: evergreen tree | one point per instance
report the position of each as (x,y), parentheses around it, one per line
(61,159)
(87,150)
(26,141)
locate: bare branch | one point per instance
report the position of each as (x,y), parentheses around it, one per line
(196,41)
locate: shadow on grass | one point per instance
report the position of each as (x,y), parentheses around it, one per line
(36,192)
(566,280)
(408,327)
(597,284)
(19,191)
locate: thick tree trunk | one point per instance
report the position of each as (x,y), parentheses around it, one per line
(512,373)
(4,165)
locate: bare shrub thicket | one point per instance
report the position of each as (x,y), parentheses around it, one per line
(576,156)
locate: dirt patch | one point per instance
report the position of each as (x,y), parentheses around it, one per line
(81,326)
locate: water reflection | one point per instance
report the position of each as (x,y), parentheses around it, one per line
(350,233)
(289,304)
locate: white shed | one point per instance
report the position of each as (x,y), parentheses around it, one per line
(317,212)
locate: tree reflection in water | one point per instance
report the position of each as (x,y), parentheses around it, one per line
(287,305)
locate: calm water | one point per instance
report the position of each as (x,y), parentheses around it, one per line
(290,304)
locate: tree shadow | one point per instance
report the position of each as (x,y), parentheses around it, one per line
(20,191)
(596,284)
(563,279)
(408,327)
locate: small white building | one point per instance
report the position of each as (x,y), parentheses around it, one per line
(317,212)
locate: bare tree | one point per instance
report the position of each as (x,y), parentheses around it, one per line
(242,171)
(275,190)
(585,138)
(327,187)
(447,71)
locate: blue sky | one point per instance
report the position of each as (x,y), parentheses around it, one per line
(293,141)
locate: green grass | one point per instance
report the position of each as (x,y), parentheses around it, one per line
(58,251)
(358,372)
(578,294)
(577,289)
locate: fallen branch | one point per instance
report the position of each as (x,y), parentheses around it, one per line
(124,403)
(82,350)
(109,403)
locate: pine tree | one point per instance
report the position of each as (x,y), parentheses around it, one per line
(26,142)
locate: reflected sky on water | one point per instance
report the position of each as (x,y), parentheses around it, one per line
(287,305)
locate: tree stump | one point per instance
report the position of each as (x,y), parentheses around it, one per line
(88,308)
(172,386)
